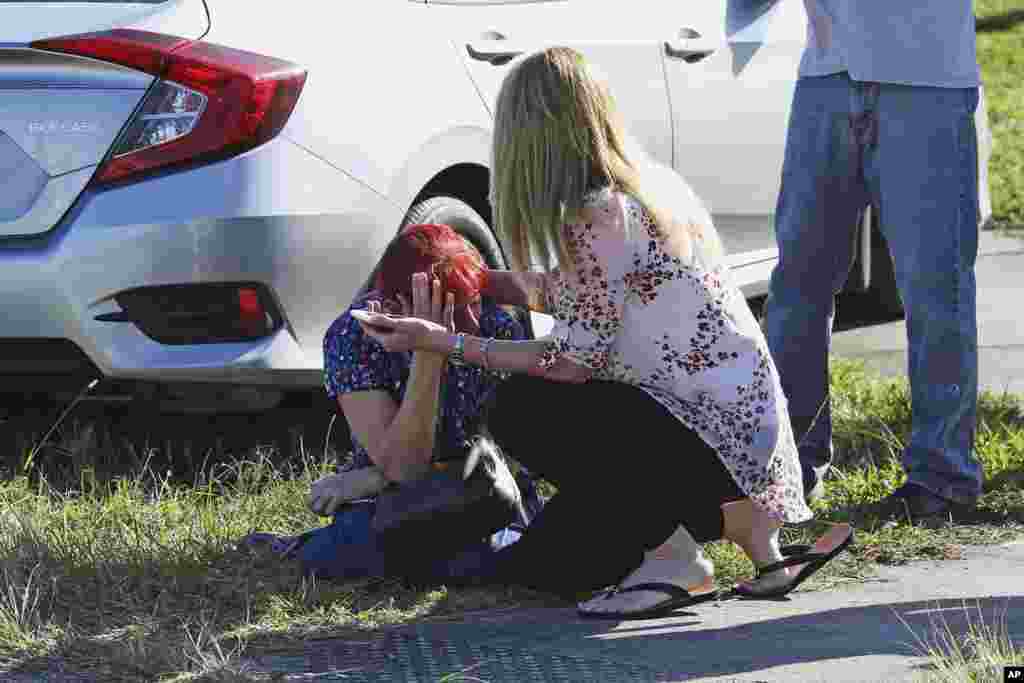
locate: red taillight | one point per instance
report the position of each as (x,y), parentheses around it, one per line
(212,102)
(251,316)
(249,305)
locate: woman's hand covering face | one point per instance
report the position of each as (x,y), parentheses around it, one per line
(429,302)
(429,310)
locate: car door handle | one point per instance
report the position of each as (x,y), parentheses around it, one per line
(493,52)
(688,50)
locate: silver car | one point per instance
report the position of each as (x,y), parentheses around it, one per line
(193,190)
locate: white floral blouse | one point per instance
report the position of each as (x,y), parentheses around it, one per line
(684,334)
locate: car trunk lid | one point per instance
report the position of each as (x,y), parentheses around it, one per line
(22,23)
(59,113)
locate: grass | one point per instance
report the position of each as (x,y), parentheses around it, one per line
(116,564)
(1000,36)
(132,574)
(977,653)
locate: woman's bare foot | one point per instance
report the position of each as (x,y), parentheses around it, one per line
(697,579)
(679,562)
(757,533)
(776,580)
(753,530)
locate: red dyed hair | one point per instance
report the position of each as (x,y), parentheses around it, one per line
(436,249)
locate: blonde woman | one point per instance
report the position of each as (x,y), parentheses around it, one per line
(659,411)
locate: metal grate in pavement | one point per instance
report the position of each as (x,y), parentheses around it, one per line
(412,658)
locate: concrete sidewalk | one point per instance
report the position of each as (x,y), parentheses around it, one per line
(865,632)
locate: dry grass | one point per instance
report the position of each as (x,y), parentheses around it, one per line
(976,653)
(120,560)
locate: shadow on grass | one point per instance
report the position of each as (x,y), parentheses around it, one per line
(1000,22)
(215,615)
(117,441)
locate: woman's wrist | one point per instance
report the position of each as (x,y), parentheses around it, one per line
(428,359)
(440,341)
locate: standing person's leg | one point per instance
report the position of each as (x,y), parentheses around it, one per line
(923,177)
(820,200)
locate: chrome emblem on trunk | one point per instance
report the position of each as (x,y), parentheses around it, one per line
(55,126)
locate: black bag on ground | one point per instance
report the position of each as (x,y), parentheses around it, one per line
(459,502)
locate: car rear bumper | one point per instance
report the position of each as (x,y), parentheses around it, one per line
(277,216)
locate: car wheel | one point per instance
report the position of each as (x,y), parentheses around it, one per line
(462,218)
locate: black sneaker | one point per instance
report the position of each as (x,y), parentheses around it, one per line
(909,503)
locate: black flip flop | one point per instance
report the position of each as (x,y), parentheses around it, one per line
(795,555)
(678,598)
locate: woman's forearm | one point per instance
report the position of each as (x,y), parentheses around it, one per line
(503,355)
(405,449)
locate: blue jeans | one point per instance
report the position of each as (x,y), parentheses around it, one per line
(347,549)
(911,153)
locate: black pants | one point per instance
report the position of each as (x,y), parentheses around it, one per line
(627,471)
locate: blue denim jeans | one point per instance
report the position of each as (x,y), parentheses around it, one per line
(911,153)
(347,549)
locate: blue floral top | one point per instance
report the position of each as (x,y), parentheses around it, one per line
(356,362)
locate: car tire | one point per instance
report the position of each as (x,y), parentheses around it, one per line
(465,220)
(462,218)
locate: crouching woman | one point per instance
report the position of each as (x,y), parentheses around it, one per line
(406,409)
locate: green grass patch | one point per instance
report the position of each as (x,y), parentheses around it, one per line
(135,576)
(977,653)
(1000,37)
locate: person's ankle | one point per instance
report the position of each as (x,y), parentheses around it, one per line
(696,572)
(813,471)
(764,554)
(679,547)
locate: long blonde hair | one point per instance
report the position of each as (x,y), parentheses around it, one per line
(557,137)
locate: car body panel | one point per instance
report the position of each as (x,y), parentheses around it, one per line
(45,208)
(24,22)
(459,145)
(626,52)
(740,94)
(65,112)
(240,224)
(985,147)
(69,120)
(59,115)
(357,115)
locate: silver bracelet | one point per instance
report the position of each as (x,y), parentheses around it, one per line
(485,345)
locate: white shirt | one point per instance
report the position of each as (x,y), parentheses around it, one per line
(683,333)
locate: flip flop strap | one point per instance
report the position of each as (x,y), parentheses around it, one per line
(669,588)
(792,561)
(789,550)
